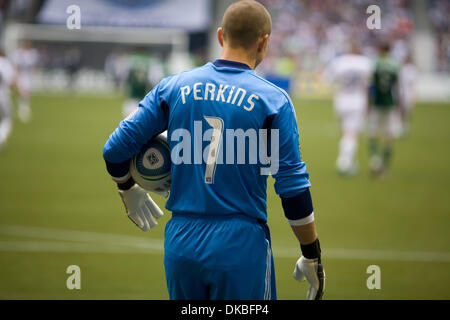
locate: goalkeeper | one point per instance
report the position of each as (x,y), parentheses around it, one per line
(217,243)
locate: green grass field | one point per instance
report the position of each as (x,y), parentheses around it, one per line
(58,207)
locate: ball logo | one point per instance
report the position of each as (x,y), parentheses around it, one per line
(151,168)
(152,159)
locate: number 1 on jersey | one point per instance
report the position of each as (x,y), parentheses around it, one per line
(217,124)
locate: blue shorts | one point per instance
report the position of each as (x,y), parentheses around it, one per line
(218,257)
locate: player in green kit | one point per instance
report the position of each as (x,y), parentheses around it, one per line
(144,71)
(137,80)
(384,117)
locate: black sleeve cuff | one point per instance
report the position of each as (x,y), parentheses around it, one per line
(118,169)
(312,250)
(126,185)
(298,207)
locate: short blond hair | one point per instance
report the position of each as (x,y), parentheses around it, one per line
(244,22)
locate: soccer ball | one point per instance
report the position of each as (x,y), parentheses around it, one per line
(150,168)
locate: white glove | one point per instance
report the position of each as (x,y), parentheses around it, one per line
(163,194)
(311,270)
(141,209)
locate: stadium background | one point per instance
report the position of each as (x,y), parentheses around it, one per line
(58,207)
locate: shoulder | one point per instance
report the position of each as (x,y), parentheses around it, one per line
(271,90)
(275,98)
(168,88)
(365,62)
(192,72)
(389,64)
(365,59)
(392,63)
(176,78)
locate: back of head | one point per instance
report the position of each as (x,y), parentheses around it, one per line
(384,47)
(409,59)
(355,48)
(244,22)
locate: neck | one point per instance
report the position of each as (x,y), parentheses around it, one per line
(238,55)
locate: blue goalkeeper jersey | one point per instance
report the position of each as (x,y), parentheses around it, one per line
(227,128)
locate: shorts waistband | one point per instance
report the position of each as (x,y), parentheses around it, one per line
(216,216)
(219,217)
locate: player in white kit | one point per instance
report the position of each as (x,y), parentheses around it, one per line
(407,84)
(25,59)
(350,73)
(6,80)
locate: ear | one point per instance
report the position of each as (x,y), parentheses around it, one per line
(262,42)
(220,36)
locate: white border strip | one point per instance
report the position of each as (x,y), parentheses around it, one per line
(303,221)
(121,179)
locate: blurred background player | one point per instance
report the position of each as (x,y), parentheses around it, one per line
(384,111)
(138,64)
(72,64)
(144,72)
(6,80)
(116,67)
(407,90)
(351,74)
(25,59)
